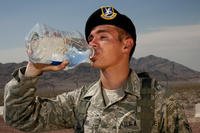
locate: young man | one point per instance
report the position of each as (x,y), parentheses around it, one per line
(112,104)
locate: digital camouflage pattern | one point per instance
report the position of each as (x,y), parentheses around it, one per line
(85,111)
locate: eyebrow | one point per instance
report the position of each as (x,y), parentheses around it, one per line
(100,31)
(103,30)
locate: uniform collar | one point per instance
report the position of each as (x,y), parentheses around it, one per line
(93,89)
(131,86)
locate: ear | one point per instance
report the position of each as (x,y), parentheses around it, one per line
(127,45)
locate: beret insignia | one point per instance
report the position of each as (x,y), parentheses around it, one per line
(108,13)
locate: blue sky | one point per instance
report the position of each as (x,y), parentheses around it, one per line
(169,29)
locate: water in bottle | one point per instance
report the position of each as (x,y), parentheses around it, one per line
(50,46)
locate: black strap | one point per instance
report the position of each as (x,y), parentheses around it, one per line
(147,102)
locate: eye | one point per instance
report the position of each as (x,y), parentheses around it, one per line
(103,37)
(90,38)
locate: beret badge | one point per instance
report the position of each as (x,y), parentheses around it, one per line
(108,13)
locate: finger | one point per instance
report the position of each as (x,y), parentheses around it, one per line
(65,62)
(39,65)
(56,68)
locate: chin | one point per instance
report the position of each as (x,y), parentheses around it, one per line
(95,65)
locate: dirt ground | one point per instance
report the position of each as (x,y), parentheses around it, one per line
(195,125)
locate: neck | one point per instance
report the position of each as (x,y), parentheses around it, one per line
(113,78)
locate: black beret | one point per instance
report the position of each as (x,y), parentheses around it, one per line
(109,15)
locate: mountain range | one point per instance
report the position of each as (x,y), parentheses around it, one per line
(159,68)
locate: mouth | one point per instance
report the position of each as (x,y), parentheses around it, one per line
(93,55)
(92,58)
(92,52)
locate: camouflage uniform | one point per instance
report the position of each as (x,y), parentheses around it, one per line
(85,111)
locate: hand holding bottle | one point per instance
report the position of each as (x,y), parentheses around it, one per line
(35,69)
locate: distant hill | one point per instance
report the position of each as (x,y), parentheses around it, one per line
(164,69)
(159,68)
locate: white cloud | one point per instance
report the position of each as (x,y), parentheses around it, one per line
(177,43)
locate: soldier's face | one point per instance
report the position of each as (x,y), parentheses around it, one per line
(108,48)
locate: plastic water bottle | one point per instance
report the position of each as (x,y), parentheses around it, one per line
(47,45)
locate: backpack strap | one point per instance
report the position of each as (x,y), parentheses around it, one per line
(147,102)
